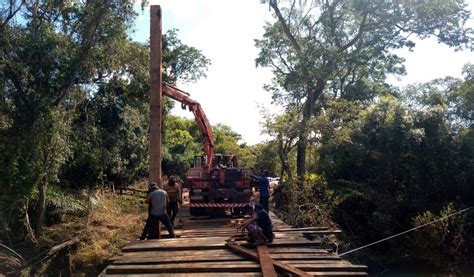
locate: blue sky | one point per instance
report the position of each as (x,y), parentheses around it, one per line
(233,92)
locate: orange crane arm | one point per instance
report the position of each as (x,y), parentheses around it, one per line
(199,115)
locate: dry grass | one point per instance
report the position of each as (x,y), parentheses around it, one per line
(116,220)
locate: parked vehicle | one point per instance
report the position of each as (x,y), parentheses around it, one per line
(215,181)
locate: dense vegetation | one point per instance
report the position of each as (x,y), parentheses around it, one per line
(372,158)
(74,110)
(354,151)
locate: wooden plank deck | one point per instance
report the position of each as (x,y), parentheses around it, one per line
(201,251)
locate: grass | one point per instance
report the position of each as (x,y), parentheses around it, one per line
(115,220)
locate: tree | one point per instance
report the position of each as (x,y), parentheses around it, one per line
(180,61)
(336,49)
(72,83)
(267,159)
(182,141)
(119,109)
(227,143)
(285,129)
(49,58)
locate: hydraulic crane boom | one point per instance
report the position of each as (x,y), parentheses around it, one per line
(201,120)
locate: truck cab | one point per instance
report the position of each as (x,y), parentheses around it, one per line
(224,186)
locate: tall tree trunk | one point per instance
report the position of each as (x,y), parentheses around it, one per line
(301,156)
(285,167)
(313,92)
(41,209)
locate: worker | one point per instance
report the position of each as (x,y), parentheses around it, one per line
(158,199)
(146,229)
(259,227)
(173,189)
(264,189)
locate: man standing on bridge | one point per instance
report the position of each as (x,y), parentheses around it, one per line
(264,189)
(173,189)
(158,199)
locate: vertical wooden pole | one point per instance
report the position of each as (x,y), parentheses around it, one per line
(155,93)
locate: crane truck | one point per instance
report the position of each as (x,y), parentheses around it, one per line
(215,181)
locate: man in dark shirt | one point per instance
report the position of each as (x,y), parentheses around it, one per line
(260,227)
(264,189)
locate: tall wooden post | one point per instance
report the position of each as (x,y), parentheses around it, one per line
(155,93)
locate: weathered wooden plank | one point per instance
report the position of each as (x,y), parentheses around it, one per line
(181,259)
(265,261)
(298,250)
(226,234)
(186,259)
(277,264)
(223,254)
(180,253)
(206,243)
(278,250)
(221,229)
(244,266)
(288,243)
(196,274)
(337,274)
(330,267)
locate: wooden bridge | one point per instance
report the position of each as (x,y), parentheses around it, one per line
(202,251)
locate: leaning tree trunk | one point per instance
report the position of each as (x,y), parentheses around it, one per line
(29,230)
(41,209)
(285,167)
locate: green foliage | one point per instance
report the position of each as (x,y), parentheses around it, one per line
(60,203)
(390,160)
(322,50)
(267,159)
(181,143)
(50,54)
(442,245)
(182,62)
(74,100)
(306,204)
(119,109)
(228,143)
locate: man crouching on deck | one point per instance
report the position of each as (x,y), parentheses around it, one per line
(260,227)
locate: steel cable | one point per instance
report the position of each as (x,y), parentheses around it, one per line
(407,231)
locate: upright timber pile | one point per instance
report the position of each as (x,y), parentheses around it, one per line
(202,251)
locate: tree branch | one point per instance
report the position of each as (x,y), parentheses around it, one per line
(12,12)
(358,35)
(286,29)
(333,25)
